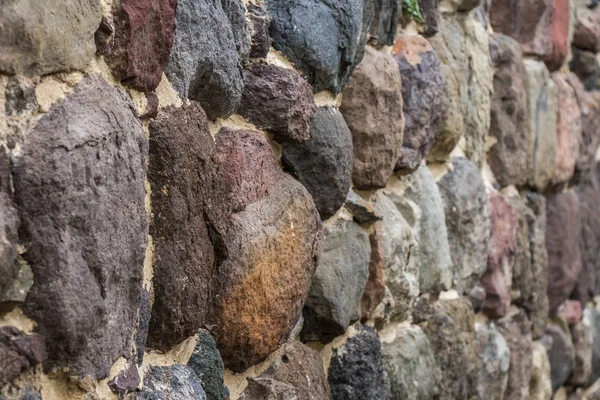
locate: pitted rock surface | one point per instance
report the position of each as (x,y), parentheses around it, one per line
(18,351)
(236,14)
(9,224)
(259,23)
(208,366)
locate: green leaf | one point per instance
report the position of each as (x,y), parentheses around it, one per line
(411,7)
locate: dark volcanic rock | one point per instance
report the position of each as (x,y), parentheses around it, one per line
(259,29)
(430,13)
(126,381)
(356,370)
(508,124)
(372,107)
(208,366)
(384,26)
(323,39)
(143,324)
(516,330)
(563,236)
(137,47)
(79,184)
(176,382)
(9,223)
(324,163)
(561,353)
(467,211)
(236,14)
(204,64)
(585,65)
(18,351)
(422,92)
(279,101)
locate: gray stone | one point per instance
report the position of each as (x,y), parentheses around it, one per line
(594,313)
(582,336)
(384,26)
(20,96)
(585,65)
(176,382)
(516,330)
(361,209)
(236,14)
(561,352)
(204,64)
(9,223)
(40,37)
(467,211)
(356,370)
(410,363)
(208,366)
(324,163)
(494,356)
(79,185)
(18,352)
(126,381)
(338,283)
(268,389)
(324,39)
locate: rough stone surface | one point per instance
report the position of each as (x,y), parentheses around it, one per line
(259,23)
(175,382)
(372,108)
(9,223)
(137,44)
(334,299)
(126,381)
(583,341)
(467,211)
(384,26)
(522,274)
(509,115)
(39,37)
(422,91)
(297,367)
(542,110)
(268,389)
(458,5)
(279,101)
(516,330)
(410,364)
(22,392)
(463,49)
(236,14)
(568,130)
(561,353)
(594,315)
(375,286)
(559,34)
(324,163)
(82,210)
(356,370)
(401,257)
(430,13)
(362,210)
(587,26)
(585,65)
(204,64)
(208,366)
(494,356)
(563,233)
(324,40)
(450,327)
(497,279)
(18,352)
(540,386)
(571,311)
(20,96)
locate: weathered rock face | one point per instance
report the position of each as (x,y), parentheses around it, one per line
(463,49)
(410,364)
(38,38)
(571,311)
(494,356)
(587,26)
(204,64)
(337,287)
(176,382)
(9,223)
(324,40)
(279,101)
(259,23)
(361,209)
(401,257)
(324,163)
(236,14)
(298,367)
(384,25)
(126,381)
(540,386)
(356,370)
(594,313)
(375,286)
(516,330)
(207,364)
(422,91)
(372,108)
(136,45)
(18,352)
(497,279)
(568,130)
(561,353)
(430,13)
(585,65)
(508,122)
(542,110)
(563,233)
(449,325)
(522,274)
(435,273)
(583,341)
(82,210)
(467,211)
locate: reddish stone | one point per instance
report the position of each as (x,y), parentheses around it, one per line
(587,26)
(497,279)
(375,287)
(18,351)
(258,24)
(571,311)
(560,35)
(563,235)
(137,47)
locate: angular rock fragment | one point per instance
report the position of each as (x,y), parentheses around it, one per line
(279,101)
(384,26)
(585,65)
(259,23)
(18,352)
(540,386)
(79,185)
(208,366)
(430,12)
(324,163)
(375,286)
(583,341)
(175,382)
(236,14)
(372,108)
(494,355)
(362,210)
(126,381)
(516,330)
(587,26)
(561,353)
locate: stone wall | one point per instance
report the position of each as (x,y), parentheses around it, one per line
(299,199)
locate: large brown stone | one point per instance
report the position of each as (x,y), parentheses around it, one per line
(516,330)
(563,235)
(509,115)
(137,44)
(372,108)
(279,101)
(587,26)
(18,352)
(422,92)
(41,37)
(79,185)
